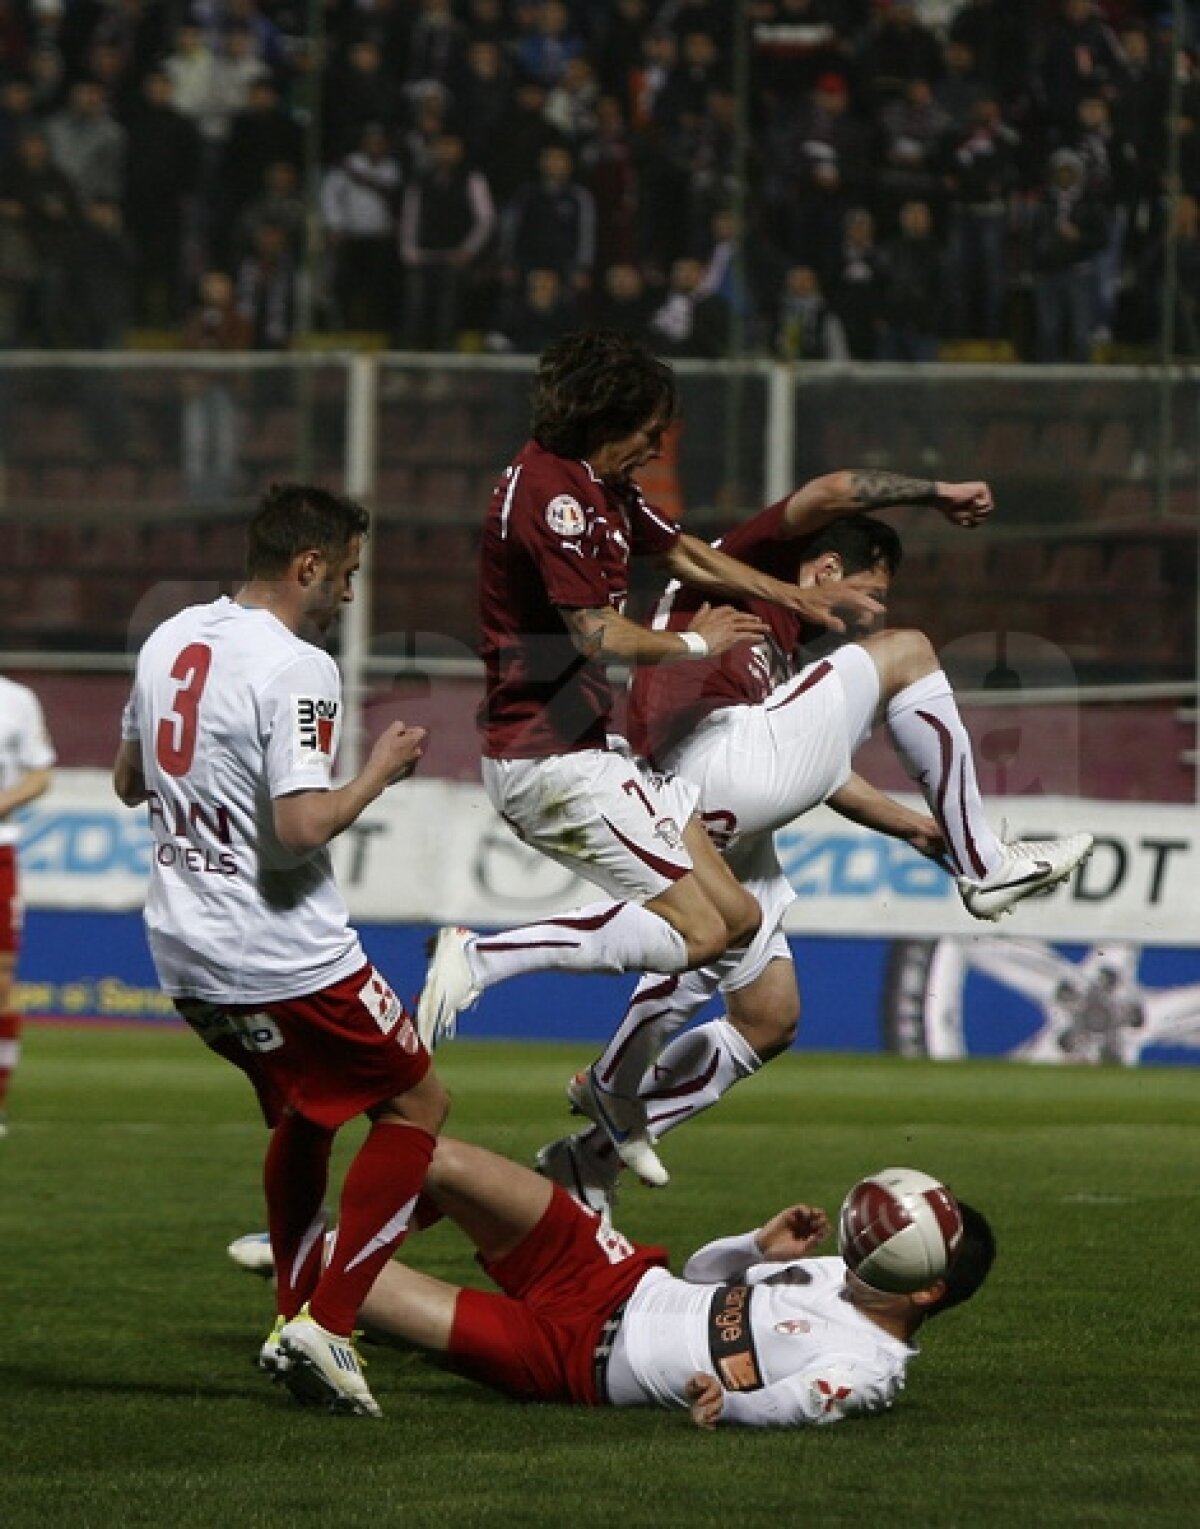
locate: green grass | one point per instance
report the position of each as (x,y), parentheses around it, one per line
(1066,1394)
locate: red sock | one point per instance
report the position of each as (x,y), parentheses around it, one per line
(10,1050)
(378,1198)
(295,1175)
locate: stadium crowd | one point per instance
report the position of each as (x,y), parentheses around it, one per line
(496,172)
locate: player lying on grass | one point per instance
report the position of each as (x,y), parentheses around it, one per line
(755,1331)
(766,732)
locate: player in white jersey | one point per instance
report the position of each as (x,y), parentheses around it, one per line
(26,762)
(755,1330)
(229,738)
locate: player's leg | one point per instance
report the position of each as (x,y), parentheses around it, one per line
(676,905)
(933,745)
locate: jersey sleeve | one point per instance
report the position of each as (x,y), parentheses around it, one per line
(727,1258)
(653,534)
(825,1391)
(35,750)
(300,717)
(752,538)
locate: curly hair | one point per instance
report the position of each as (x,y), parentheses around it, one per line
(596,386)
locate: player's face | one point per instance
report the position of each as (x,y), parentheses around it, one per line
(617,459)
(333,587)
(875,581)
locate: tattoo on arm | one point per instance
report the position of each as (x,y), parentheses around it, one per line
(873,489)
(588,628)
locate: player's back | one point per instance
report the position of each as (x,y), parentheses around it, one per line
(232,710)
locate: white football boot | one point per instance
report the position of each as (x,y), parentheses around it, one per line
(323,1369)
(623,1121)
(449,987)
(582,1172)
(1029,866)
(252,1252)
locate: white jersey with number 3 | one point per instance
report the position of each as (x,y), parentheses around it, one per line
(232,710)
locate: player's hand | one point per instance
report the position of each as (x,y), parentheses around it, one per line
(926,838)
(793,1233)
(705,1398)
(964,504)
(397,750)
(838,606)
(724,627)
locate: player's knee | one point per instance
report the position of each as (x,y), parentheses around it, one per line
(742,921)
(912,654)
(707,938)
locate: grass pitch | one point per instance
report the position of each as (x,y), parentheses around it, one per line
(1065,1394)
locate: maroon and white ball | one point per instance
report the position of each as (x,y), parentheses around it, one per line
(899,1230)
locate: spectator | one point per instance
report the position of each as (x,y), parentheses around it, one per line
(807,328)
(960,86)
(1150,290)
(162,163)
(1139,117)
(210,416)
(435,48)
(857,294)
(268,289)
(551,225)
(545,310)
(914,285)
(1000,35)
(896,48)
(359,91)
(513,159)
(195,75)
(689,322)
(620,48)
(981,174)
(821,165)
(87,145)
(16,113)
(1109,170)
(912,130)
(446,222)
(263,132)
(358,207)
(745,273)
(279,202)
(39,199)
(1081,56)
(544,52)
(697,71)
(571,104)
(103,268)
(623,302)
(429,118)
(48,79)
(1069,229)
(608,167)
(484,99)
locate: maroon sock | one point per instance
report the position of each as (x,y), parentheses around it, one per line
(378,1199)
(295,1175)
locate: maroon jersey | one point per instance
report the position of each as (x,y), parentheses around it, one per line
(557,537)
(668,701)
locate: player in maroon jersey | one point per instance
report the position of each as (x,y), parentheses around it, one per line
(766,734)
(562,526)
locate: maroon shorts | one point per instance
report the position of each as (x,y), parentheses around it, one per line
(329,1056)
(10,902)
(538,1340)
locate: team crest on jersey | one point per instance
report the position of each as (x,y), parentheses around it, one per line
(565,517)
(316,724)
(667,830)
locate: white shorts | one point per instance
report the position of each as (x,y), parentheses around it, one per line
(598,813)
(759,767)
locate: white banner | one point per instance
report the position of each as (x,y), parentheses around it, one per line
(435,852)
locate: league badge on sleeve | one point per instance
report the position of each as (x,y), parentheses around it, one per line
(565,517)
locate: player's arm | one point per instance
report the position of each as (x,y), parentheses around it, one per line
(825,1392)
(27,788)
(862,803)
(128,781)
(601,633)
(862,491)
(792,1233)
(694,562)
(308,820)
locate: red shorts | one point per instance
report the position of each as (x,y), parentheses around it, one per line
(10,901)
(538,1340)
(328,1056)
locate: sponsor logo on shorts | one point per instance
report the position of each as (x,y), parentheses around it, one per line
(565,517)
(316,724)
(667,829)
(388,1012)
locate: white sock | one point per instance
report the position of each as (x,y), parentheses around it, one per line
(659,1007)
(694,1071)
(603,937)
(934,748)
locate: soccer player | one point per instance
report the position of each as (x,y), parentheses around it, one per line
(755,1331)
(766,733)
(229,738)
(562,526)
(26,763)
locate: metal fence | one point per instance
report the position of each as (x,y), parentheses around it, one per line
(125,481)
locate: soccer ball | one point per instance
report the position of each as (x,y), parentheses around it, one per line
(899,1230)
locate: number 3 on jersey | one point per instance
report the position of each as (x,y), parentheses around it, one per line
(175,742)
